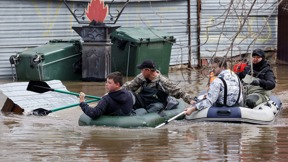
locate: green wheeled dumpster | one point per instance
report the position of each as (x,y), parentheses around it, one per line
(57,59)
(131,46)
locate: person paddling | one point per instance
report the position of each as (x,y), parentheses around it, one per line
(224,90)
(117,102)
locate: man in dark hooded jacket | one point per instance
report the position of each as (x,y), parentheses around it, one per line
(258,82)
(117,102)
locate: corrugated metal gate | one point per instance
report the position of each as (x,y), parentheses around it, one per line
(219,26)
(26,24)
(30,23)
(282,50)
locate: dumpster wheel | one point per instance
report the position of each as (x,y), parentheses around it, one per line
(35,60)
(13,59)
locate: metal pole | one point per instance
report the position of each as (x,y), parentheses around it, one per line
(189,34)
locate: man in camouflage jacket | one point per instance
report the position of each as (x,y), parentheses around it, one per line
(153,88)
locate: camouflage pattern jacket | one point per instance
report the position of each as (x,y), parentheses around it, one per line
(164,84)
(215,94)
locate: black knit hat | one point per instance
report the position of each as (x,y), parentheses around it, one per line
(259,52)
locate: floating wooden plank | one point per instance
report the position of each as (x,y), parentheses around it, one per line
(19,99)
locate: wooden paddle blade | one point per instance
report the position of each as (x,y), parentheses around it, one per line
(38,86)
(41,112)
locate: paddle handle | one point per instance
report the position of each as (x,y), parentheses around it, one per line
(73,105)
(175,117)
(75,94)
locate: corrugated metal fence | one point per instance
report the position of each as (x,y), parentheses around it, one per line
(26,24)
(30,23)
(226,31)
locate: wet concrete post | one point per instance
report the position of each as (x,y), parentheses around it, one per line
(96,50)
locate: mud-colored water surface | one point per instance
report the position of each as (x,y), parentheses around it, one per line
(57,137)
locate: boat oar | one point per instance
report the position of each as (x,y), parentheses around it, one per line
(42,87)
(44,112)
(182,113)
(166,122)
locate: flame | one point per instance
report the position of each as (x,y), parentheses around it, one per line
(96,11)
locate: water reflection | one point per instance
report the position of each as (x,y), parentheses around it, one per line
(233,142)
(129,145)
(58,137)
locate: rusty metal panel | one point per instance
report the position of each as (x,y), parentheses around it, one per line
(221,28)
(282,50)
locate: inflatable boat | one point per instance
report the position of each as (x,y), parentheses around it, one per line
(264,113)
(147,120)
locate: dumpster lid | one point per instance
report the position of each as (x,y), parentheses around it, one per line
(141,35)
(64,41)
(53,46)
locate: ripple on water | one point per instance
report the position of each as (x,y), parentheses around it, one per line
(58,137)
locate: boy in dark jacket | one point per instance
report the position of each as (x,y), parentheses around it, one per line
(258,82)
(117,102)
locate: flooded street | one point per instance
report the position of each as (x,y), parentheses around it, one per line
(57,137)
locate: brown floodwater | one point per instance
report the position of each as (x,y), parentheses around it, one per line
(57,137)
